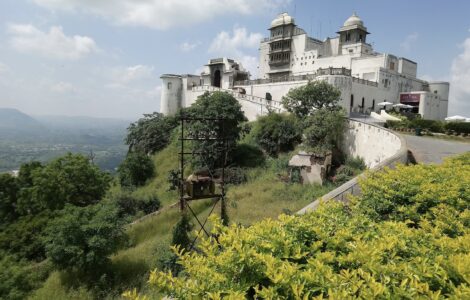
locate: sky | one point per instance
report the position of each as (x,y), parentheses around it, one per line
(104,58)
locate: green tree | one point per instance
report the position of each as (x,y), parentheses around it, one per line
(304,100)
(82,238)
(69,179)
(136,169)
(25,237)
(215,105)
(277,133)
(181,232)
(25,175)
(324,130)
(9,189)
(150,133)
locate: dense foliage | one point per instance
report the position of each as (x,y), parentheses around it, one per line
(304,100)
(277,133)
(130,205)
(136,169)
(458,127)
(324,130)
(151,133)
(431,125)
(29,207)
(216,105)
(415,245)
(82,238)
(69,179)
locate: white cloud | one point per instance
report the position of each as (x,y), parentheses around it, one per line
(240,39)
(460,82)
(134,73)
(410,39)
(235,45)
(27,38)
(62,87)
(187,47)
(163,14)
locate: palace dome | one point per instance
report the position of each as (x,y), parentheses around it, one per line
(282,19)
(353,20)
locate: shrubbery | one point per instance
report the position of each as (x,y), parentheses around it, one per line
(458,127)
(277,133)
(135,170)
(431,125)
(407,236)
(82,238)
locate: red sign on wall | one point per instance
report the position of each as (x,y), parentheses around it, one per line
(410,98)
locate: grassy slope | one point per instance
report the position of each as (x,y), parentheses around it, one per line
(264,195)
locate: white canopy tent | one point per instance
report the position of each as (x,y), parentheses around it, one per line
(456,118)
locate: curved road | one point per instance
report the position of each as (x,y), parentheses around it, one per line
(431,150)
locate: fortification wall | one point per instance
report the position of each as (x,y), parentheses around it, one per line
(379,147)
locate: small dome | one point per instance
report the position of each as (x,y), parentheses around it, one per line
(282,19)
(353,20)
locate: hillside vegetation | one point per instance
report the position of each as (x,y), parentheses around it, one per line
(406,236)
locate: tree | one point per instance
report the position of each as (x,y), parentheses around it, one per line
(215,105)
(150,133)
(82,238)
(324,130)
(135,170)
(181,233)
(9,189)
(304,100)
(68,179)
(277,133)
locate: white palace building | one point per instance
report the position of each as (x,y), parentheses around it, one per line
(289,58)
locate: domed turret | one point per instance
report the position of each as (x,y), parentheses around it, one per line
(353,20)
(282,19)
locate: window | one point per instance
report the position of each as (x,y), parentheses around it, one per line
(351,50)
(392,65)
(169,85)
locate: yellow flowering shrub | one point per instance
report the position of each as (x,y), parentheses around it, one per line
(413,245)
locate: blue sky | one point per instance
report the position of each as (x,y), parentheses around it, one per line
(104,58)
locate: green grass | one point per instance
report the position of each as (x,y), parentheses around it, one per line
(264,195)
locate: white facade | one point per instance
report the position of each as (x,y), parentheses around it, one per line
(289,58)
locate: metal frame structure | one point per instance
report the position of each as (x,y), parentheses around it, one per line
(219,135)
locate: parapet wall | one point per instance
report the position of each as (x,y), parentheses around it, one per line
(378,146)
(372,143)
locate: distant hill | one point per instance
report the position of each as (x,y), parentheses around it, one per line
(24,138)
(13,119)
(83,124)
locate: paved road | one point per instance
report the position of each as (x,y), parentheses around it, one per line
(432,150)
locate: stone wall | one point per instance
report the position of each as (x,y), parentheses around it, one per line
(379,147)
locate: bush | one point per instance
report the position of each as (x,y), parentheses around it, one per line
(325,129)
(130,205)
(135,170)
(458,127)
(25,237)
(247,156)
(19,278)
(277,133)
(149,204)
(339,252)
(431,125)
(82,238)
